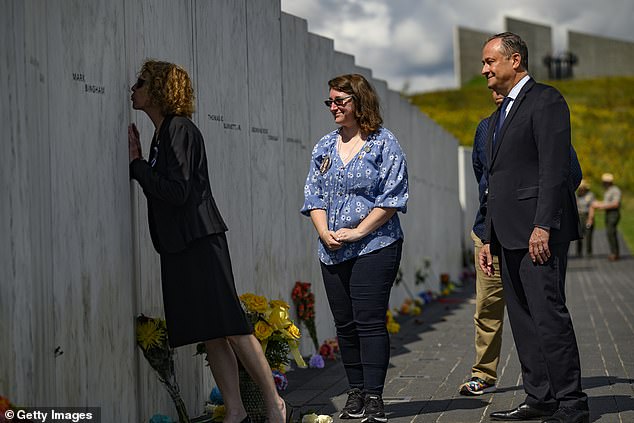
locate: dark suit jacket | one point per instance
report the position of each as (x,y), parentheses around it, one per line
(175,181)
(529,171)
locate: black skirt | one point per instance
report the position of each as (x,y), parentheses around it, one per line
(199,293)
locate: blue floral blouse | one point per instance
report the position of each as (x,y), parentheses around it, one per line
(375,177)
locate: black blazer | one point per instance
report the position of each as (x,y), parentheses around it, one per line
(175,181)
(529,171)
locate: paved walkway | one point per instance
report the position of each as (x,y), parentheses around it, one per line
(432,355)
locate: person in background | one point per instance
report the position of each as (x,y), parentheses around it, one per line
(356,184)
(585,198)
(531,219)
(612,205)
(188,232)
(489,314)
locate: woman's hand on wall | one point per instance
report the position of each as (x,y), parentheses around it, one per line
(134,143)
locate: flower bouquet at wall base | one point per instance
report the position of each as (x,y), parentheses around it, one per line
(392,325)
(279,338)
(411,307)
(446,284)
(304,301)
(274,329)
(151,337)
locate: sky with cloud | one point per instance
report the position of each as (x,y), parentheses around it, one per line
(411,41)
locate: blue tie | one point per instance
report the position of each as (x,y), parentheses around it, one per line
(501,117)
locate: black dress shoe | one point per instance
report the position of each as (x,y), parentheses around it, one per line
(569,415)
(523,412)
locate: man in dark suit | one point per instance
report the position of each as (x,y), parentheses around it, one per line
(531,219)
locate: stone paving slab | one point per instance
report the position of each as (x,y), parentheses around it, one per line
(432,355)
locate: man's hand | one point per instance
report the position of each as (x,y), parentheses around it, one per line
(538,245)
(485,259)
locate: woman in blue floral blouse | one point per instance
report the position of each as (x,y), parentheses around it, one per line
(356,183)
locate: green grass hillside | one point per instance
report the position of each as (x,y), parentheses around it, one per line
(601,115)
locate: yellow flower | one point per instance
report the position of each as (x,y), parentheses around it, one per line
(254,303)
(246,298)
(277,317)
(219,413)
(393,327)
(280,368)
(293,331)
(280,303)
(262,330)
(150,334)
(258,303)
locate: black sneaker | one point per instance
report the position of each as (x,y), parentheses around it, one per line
(374,412)
(354,405)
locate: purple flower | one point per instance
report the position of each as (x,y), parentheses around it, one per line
(316,361)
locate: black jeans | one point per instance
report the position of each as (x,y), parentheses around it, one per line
(359,292)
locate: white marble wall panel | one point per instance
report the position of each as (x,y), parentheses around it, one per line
(319,57)
(380,87)
(162,30)
(267,146)
(90,221)
(301,239)
(19,302)
(366,72)
(147,37)
(36,114)
(319,63)
(420,200)
(222,92)
(433,173)
(397,118)
(390,113)
(342,64)
(452,212)
(401,124)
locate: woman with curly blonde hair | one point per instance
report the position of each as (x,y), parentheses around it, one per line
(188,232)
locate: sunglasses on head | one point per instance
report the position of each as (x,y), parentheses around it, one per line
(339,101)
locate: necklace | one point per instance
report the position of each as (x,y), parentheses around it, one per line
(350,152)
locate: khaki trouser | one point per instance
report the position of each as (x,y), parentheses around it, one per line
(488,319)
